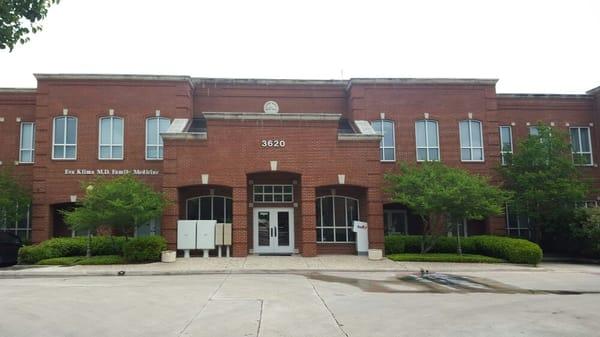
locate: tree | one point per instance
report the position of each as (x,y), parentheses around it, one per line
(18,18)
(14,199)
(546,183)
(123,203)
(442,196)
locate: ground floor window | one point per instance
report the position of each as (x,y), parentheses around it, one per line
(458,228)
(395,221)
(151,228)
(517,225)
(20,228)
(335,217)
(210,207)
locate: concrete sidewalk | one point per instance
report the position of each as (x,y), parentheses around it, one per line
(258,264)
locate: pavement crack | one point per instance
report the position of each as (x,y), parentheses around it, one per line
(262,302)
(339,325)
(210,298)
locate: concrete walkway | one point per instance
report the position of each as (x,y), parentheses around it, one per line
(259,264)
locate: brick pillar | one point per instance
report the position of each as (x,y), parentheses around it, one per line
(240,222)
(375,218)
(308,221)
(41,221)
(170,216)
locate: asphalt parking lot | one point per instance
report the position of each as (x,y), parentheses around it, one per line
(563,302)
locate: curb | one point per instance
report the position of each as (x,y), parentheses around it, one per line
(22,274)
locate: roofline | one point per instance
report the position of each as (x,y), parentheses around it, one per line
(113,77)
(267,81)
(462,81)
(18,90)
(578,96)
(594,91)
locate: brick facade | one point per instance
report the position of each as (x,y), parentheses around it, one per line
(231,154)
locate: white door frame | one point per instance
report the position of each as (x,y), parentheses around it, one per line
(273,233)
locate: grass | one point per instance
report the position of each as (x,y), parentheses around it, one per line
(82,260)
(444,257)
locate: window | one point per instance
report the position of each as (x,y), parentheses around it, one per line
(210,207)
(471,141)
(273,193)
(395,221)
(335,218)
(517,225)
(151,228)
(388,142)
(20,228)
(65,138)
(457,228)
(111,138)
(534,131)
(154,143)
(26,149)
(506,146)
(427,138)
(581,145)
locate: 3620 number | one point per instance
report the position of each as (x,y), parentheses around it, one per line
(272,143)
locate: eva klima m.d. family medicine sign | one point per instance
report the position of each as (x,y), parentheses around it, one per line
(137,172)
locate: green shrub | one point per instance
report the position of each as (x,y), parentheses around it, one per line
(144,249)
(505,248)
(64,247)
(394,244)
(82,260)
(444,257)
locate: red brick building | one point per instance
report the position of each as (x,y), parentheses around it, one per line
(291,163)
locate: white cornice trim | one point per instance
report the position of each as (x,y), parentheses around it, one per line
(309,116)
(358,136)
(185,135)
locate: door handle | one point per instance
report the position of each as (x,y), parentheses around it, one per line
(271,231)
(275,230)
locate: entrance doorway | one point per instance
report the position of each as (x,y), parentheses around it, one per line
(273,230)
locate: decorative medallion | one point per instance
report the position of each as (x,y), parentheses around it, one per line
(271,107)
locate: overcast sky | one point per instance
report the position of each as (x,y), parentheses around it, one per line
(531,46)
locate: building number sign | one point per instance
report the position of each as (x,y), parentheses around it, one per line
(272,143)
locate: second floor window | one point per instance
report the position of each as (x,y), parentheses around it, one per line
(534,131)
(388,142)
(428,147)
(64,144)
(111,138)
(581,145)
(506,146)
(26,149)
(154,143)
(471,141)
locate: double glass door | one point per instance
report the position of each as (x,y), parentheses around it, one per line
(274,230)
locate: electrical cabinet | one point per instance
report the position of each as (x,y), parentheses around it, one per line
(205,234)
(186,234)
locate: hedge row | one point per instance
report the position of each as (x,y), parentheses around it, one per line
(509,249)
(141,249)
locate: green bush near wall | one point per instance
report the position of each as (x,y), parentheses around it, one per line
(144,249)
(65,247)
(506,248)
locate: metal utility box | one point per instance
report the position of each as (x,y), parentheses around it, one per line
(227,234)
(205,234)
(186,234)
(219,234)
(362,237)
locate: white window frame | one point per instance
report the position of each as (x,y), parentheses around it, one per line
(388,213)
(517,227)
(158,145)
(427,147)
(471,147)
(530,130)
(272,194)
(348,226)
(22,149)
(65,144)
(4,226)
(502,151)
(212,202)
(590,152)
(111,143)
(381,146)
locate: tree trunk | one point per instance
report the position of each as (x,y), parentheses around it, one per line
(458,246)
